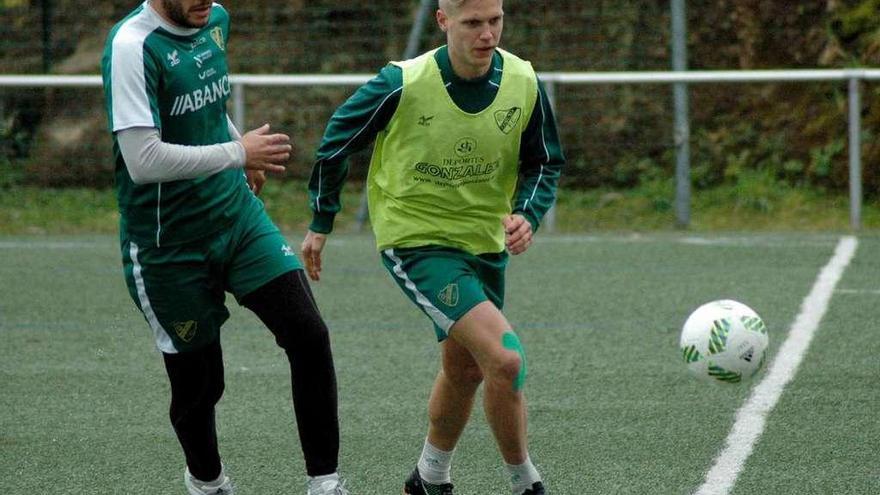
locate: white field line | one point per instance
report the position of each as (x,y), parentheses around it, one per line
(875,292)
(751,417)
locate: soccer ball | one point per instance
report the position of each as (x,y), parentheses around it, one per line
(724,341)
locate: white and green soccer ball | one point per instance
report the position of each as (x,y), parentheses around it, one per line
(724,341)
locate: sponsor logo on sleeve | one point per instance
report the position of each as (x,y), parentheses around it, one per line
(173,59)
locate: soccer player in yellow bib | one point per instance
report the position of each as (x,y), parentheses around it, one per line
(465,164)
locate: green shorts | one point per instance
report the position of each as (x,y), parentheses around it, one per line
(181,289)
(446,283)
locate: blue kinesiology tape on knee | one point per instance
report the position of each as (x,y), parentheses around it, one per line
(511,342)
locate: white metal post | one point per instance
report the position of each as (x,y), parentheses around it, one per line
(855,154)
(238,116)
(550,216)
(682,129)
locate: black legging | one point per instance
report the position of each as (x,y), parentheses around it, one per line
(287,308)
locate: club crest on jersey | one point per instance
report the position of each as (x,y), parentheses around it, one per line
(217,36)
(186,330)
(449,295)
(507,119)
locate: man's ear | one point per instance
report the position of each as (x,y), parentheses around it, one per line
(442,19)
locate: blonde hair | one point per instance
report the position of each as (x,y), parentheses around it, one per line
(445,5)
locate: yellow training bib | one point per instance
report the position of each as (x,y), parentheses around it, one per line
(442,176)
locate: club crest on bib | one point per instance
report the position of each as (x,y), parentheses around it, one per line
(449,295)
(217,36)
(186,330)
(507,119)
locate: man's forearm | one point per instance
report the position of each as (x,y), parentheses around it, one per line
(150,160)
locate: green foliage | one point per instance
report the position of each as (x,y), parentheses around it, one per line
(20,115)
(758,201)
(633,169)
(822,157)
(32,210)
(722,155)
(737,150)
(10,173)
(14,144)
(615,136)
(757,191)
(857,22)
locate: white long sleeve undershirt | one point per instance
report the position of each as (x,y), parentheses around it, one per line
(150,160)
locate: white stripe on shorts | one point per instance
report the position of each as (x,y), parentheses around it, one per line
(440,319)
(163,341)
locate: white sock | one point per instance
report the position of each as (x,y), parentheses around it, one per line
(217,483)
(522,476)
(318,481)
(434,464)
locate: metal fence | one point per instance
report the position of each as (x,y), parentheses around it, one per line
(554,82)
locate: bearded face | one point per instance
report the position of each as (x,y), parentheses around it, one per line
(188,13)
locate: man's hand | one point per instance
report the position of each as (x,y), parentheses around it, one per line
(255,180)
(266,152)
(517,233)
(312,246)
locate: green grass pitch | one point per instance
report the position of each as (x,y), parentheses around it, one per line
(83,395)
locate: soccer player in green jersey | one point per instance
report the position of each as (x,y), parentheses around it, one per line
(465,164)
(193,229)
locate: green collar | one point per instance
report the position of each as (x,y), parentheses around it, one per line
(449,75)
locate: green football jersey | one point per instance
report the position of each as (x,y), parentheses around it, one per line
(176,80)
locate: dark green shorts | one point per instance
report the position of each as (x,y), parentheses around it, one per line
(181,289)
(446,283)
